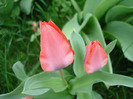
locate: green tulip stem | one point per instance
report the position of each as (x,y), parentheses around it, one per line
(62,77)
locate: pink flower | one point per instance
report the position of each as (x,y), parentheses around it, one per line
(27,97)
(95,57)
(56,52)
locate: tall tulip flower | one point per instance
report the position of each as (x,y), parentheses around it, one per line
(95,57)
(56,52)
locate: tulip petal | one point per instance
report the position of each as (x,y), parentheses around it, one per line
(51,23)
(27,97)
(95,57)
(56,52)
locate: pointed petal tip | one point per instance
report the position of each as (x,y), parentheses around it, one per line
(50,21)
(42,23)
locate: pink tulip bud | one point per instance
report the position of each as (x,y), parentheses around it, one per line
(56,52)
(95,57)
(27,97)
(34,26)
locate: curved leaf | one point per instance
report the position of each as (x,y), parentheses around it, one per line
(15,94)
(83,96)
(54,83)
(88,8)
(70,26)
(96,95)
(99,7)
(110,46)
(79,49)
(52,95)
(74,25)
(77,8)
(89,95)
(128,3)
(103,7)
(118,13)
(26,6)
(99,76)
(18,69)
(130,20)
(43,82)
(124,33)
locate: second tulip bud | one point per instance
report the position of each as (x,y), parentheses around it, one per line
(95,57)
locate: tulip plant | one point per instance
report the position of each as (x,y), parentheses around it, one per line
(72,61)
(86,67)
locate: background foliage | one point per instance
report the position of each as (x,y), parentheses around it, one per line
(17,16)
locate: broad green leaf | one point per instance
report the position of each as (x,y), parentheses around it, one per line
(35,91)
(124,33)
(90,6)
(18,69)
(78,46)
(110,46)
(128,3)
(3,3)
(43,82)
(130,20)
(15,94)
(83,96)
(96,95)
(74,25)
(52,95)
(118,13)
(8,8)
(70,26)
(26,6)
(103,7)
(90,95)
(99,76)
(94,32)
(98,7)
(77,8)
(54,83)
(35,79)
